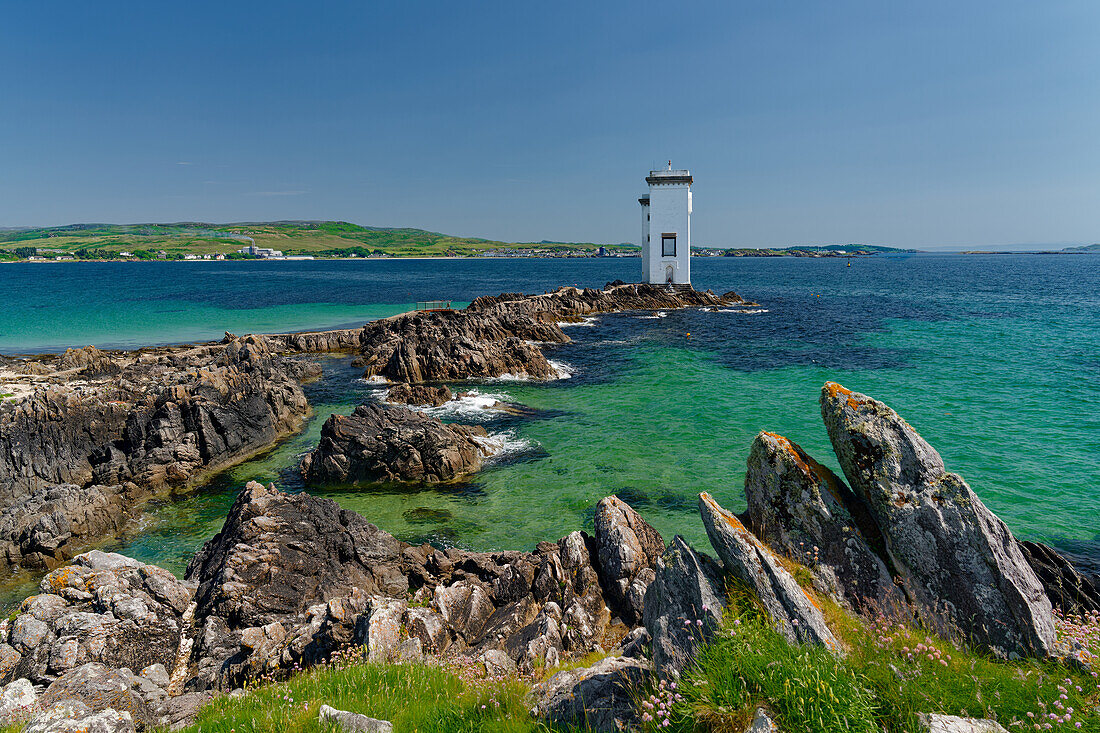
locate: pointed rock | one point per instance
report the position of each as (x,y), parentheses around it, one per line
(627,548)
(805,511)
(956,559)
(683,606)
(792,611)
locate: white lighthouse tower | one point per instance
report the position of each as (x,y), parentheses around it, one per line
(666,228)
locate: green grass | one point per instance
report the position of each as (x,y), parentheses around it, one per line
(323,239)
(890,673)
(414,697)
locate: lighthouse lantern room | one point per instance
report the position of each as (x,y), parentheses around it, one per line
(666,228)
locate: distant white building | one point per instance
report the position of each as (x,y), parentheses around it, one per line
(263,252)
(666,227)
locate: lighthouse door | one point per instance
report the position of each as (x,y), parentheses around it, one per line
(668,274)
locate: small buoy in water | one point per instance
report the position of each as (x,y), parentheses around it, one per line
(689,334)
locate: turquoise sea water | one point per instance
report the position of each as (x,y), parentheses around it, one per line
(994,359)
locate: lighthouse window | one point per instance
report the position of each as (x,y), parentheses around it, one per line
(668,245)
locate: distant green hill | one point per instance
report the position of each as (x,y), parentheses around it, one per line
(316,238)
(1085,248)
(826,250)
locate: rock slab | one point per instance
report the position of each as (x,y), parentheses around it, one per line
(955,559)
(354,722)
(793,613)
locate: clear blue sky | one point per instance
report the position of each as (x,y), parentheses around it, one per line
(927,124)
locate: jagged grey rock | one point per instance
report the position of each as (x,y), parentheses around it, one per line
(387,443)
(956,560)
(86,448)
(805,511)
(354,722)
(598,698)
(793,613)
(934,723)
(628,548)
(683,606)
(1072,586)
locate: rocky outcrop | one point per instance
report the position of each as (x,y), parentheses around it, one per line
(628,551)
(954,558)
(806,512)
(94,622)
(793,613)
(493,336)
(292,578)
(104,608)
(120,427)
(598,698)
(1073,588)
(418,394)
(683,606)
(386,443)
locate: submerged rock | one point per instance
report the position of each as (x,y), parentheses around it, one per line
(683,606)
(793,613)
(805,511)
(956,560)
(418,394)
(384,443)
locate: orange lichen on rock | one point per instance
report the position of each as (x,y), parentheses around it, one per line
(808,465)
(835,389)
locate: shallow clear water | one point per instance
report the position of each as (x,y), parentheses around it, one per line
(994,359)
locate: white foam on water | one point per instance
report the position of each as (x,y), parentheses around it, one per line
(744,312)
(658,314)
(471,405)
(561,369)
(588,321)
(375,379)
(501,445)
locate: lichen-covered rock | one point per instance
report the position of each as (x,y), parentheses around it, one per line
(628,548)
(956,560)
(103,608)
(598,698)
(762,723)
(805,511)
(793,613)
(73,716)
(418,394)
(384,443)
(18,702)
(683,606)
(100,688)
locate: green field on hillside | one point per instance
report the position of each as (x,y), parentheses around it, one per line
(316,238)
